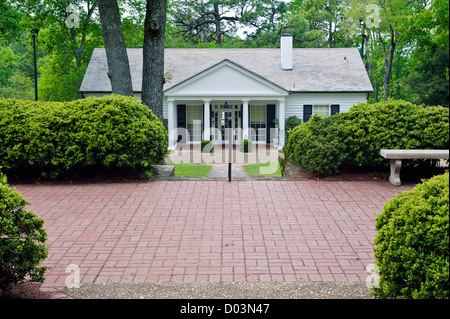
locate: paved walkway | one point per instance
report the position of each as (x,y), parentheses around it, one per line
(210,231)
(220,172)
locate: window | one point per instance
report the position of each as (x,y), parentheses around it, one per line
(322,110)
(258,123)
(194,121)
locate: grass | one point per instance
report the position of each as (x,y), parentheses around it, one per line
(263,169)
(190,170)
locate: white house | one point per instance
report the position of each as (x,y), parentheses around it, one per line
(252,86)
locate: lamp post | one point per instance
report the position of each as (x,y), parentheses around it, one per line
(34,34)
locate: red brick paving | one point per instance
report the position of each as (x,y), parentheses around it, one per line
(210,231)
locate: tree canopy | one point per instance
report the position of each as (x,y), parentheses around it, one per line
(406,51)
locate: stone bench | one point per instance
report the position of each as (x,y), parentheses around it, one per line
(396,157)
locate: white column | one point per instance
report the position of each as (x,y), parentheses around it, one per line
(281,120)
(171,124)
(245,114)
(207,117)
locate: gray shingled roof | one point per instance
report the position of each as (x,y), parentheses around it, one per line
(314,70)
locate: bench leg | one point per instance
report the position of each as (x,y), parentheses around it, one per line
(394,178)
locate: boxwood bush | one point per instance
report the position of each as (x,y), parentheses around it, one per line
(22,240)
(55,138)
(412,243)
(245,146)
(209,146)
(318,145)
(326,145)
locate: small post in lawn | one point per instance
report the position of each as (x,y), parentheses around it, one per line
(230,147)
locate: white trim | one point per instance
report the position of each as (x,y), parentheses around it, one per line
(207,119)
(281,122)
(245,117)
(171,124)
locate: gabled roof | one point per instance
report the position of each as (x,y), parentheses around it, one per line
(244,81)
(314,70)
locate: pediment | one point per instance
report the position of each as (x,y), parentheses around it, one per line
(226,78)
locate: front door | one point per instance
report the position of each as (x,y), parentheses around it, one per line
(219,123)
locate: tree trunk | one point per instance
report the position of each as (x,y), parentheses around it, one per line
(153,56)
(388,61)
(330,36)
(116,51)
(217,23)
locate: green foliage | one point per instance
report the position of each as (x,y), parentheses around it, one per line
(209,146)
(369,128)
(419,72)
(282,164)
(318,145)
(245,146)
(291,123)
(412,244)
(59,78)
(55,138)
(9,20)
(327,144)
(16,71)
(22,240)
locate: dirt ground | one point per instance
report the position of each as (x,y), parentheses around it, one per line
(29,290)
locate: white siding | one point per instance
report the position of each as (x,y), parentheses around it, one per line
(295,102)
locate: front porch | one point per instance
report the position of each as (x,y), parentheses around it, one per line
(191,121)
(199,107)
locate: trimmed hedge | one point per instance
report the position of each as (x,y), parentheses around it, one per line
(412,244)
(22,240)
(209,146)
(55,138)
(354,139)
(245,146)
(318,145)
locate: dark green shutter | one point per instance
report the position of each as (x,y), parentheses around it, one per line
(307,112)
(335,108)
(270,118)
(181,118)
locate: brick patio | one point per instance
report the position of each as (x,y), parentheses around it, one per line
(170,231)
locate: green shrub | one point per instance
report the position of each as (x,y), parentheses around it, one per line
(292,122)
(22,240)
(204,144)
(54,138)
(354,139)
(393,125)
(317,145)
(412,243)
(245,146)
